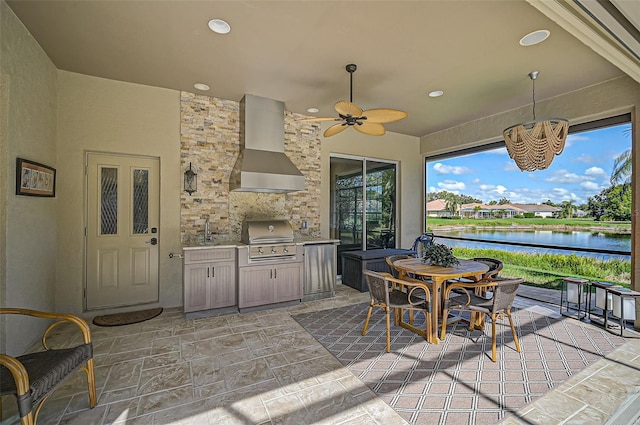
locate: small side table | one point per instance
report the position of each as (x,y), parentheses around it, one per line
(573,292)
(624,305)
(603,300)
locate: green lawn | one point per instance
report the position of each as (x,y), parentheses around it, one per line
(547,270)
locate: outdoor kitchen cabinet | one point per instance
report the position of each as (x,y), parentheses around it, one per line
(269,284)
(209,278)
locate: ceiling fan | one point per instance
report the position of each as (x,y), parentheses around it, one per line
(366,122)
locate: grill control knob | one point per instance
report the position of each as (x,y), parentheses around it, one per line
(285,250)
(273,250)
(260,251)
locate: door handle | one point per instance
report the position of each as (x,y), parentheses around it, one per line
(153,241)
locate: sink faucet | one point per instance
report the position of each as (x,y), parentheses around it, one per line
(207,230)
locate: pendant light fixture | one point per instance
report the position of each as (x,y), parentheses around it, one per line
(533,145)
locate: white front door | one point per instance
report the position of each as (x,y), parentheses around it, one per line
(122,234)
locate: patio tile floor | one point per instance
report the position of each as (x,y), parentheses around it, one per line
(264,368)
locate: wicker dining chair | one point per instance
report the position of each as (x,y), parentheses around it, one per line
(495,267)
(395,272)
(394,294)
(33,377)
(461,296)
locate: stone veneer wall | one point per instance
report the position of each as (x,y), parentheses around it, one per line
(209,140)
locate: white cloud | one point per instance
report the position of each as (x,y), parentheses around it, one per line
(590,186)
(595,172)
(585,158)
(450,169)
(476,181)
(564,177)
(560,192)
(500,189)
(452,186)
(571,138)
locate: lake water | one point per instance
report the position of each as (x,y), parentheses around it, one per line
(568,239)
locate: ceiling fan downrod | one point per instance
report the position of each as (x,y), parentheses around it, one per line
(351,68)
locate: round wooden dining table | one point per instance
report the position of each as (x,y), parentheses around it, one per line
(438,275)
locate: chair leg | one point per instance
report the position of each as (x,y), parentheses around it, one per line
(388,314)
(493,337)
(445,314)
(91,383)
(513,331)
(366,322)
(27,420)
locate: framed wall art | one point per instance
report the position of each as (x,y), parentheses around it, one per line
(35,179)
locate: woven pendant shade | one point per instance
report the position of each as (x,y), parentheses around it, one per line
(533,145)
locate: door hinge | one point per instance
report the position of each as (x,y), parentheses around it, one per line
(85,232)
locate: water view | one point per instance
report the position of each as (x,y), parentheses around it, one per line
(573,241)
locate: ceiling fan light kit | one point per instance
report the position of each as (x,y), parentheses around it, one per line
(533,145)
(368,122)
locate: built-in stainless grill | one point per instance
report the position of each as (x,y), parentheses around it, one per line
(269,240)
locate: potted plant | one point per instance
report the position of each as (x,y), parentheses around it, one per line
(439,254)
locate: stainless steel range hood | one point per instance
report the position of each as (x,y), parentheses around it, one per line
(262,165)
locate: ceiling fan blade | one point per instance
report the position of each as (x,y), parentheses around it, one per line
(320,119)
(370,128)
(344,107)
(382,115)
(335,129)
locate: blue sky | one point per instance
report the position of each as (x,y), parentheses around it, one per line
(582,170)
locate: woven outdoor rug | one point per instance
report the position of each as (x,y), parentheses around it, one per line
(455,382)
(129,318)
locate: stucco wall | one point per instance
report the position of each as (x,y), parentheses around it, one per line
(95,114)
(28,128)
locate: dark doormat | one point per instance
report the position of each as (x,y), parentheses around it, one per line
(120,319)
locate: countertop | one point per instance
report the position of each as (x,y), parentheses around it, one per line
(238,244)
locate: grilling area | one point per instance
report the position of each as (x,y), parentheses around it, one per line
(268,267)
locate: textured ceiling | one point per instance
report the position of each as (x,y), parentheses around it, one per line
(296,52)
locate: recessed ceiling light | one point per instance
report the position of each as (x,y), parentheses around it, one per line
(201,86)
(219,26)
(436,93)
(312,110)
(534,37)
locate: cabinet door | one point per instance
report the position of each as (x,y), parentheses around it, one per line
(255,286)
(288,282)
(223,284)
(197,290)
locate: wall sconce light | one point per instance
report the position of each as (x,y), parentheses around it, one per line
(190,181)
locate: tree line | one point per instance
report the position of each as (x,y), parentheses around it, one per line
(611,204)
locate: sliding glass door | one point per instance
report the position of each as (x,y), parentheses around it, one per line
(363,203)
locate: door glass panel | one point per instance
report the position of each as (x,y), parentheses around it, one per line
(347,205)
(363,204)
(380,205)
(108,201)
(140,193)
